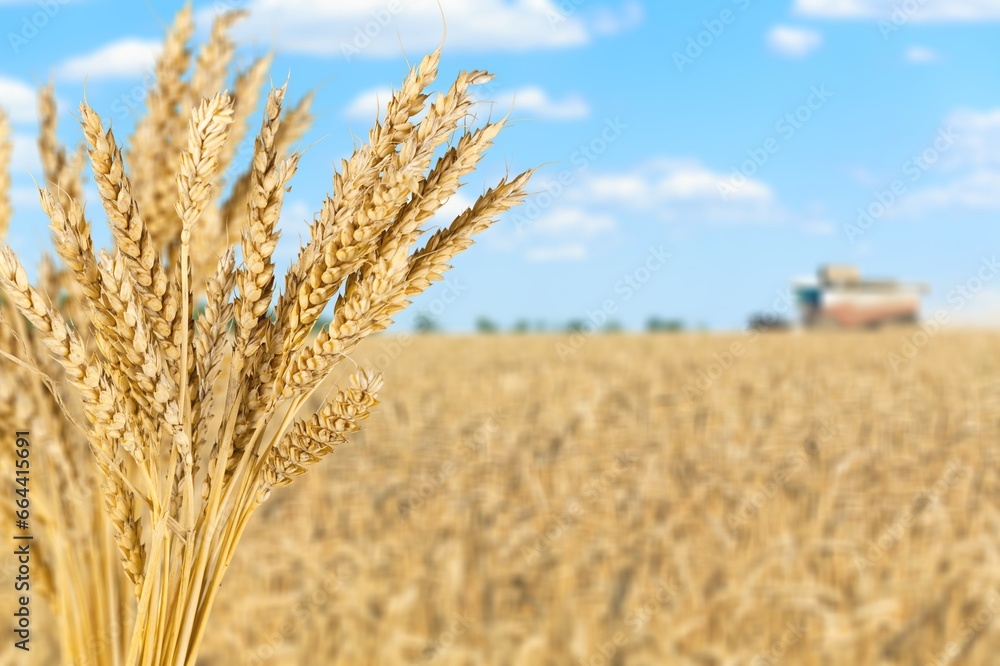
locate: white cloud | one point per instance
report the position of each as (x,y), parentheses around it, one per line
(793,42)
(572,221)
(24,157)
(594,206)
(28,210)
(977,141)
(452,208)
(969,192)
(24,196)
(980,311)
(597,205)
(369,104)
(18,100)
(923,10)
(568,252)
(534,101)
(376,28)
(966,175)
(296,214)
(669,188)
(125,58)
(531,101)
(921,55)
(609,22)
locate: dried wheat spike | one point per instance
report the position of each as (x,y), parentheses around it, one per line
(146,371)
(210,346)
(71,234)
(375,294)
(311,439)
(58,337)
(208,130)
(64,345)
(246,96)
(154,155)
(129,228)
(107,422)
(342,233)
(293,126)
(214,58)
(61,170)
(428,263)
(120,501)
(255,280)
(215,237)
(441,184)
(374,183)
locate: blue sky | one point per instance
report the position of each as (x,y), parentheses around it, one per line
(743,139)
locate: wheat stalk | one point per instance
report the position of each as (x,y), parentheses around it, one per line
(146,366)
(61,170)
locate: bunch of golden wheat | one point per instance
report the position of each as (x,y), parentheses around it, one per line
(147,367)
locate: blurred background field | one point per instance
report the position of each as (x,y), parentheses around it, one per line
(506,506)
(560,489)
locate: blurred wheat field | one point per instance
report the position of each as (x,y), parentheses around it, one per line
(505,505)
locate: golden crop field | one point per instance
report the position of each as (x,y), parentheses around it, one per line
(809,499)
(813,505)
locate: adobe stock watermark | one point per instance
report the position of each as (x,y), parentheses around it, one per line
(126,616)
(954,472)
(971,629)
(224,6)
(582,158)
(705,39)
(34,23)
(394,345)
(959,296)
(365,34)
(308,604)
(129,103)
(391,350)
(723,361)
(472,445)
(459,626)
(625,290)
(913,169)
(750,504)
(794,631)
(562,11)
(901,14)
(592,492)
(73,493)
(785,128)
(635,622)
(450,291)
(962,294)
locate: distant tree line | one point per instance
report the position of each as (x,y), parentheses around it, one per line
(487,326)
(424,323)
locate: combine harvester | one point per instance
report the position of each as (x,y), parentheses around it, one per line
(841,299)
